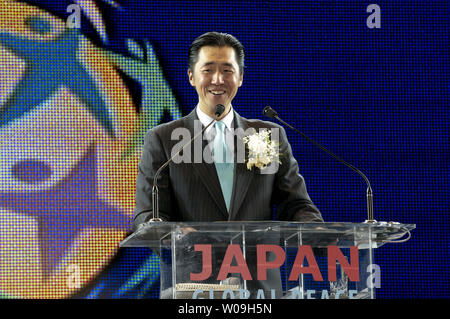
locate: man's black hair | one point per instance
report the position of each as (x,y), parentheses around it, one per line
(216,39)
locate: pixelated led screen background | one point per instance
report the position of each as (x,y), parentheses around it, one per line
(75,103)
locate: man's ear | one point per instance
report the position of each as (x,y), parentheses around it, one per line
(241,79)
(191,77)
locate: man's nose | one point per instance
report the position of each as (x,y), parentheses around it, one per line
(217,78)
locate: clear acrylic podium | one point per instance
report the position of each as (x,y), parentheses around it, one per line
(267,260)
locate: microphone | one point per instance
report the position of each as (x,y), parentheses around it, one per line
(271,113)
(218,111)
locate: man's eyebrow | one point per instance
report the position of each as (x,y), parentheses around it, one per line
(225,64)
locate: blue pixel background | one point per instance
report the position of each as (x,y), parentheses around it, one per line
(377,97)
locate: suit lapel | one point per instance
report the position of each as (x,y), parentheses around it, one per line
(242,176)
(207,172)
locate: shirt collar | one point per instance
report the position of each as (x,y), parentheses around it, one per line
(206,119)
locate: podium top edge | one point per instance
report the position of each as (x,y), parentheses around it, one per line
(151,232)
(279,223)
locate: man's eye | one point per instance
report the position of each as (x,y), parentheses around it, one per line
(206,70)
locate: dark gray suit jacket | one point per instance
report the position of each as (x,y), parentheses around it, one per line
(191,191)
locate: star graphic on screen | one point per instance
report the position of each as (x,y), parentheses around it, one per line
(157,96)
(50,65)
(63,211)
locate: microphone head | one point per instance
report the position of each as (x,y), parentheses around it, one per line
(219,110)
(270,112)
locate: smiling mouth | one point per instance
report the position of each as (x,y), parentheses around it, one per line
(217,92)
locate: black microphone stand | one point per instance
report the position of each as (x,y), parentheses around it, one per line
(218,112)
(271,113)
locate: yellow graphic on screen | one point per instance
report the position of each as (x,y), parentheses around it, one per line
(69,148)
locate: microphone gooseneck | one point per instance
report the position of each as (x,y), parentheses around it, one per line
(218,111)
(271,113)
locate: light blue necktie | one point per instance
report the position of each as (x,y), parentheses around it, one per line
(224,161)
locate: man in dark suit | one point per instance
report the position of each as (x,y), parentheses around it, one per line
(192,191)
(201,191)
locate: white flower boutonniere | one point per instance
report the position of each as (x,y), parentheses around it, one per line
(261,150)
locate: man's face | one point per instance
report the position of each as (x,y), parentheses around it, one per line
(216,78)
